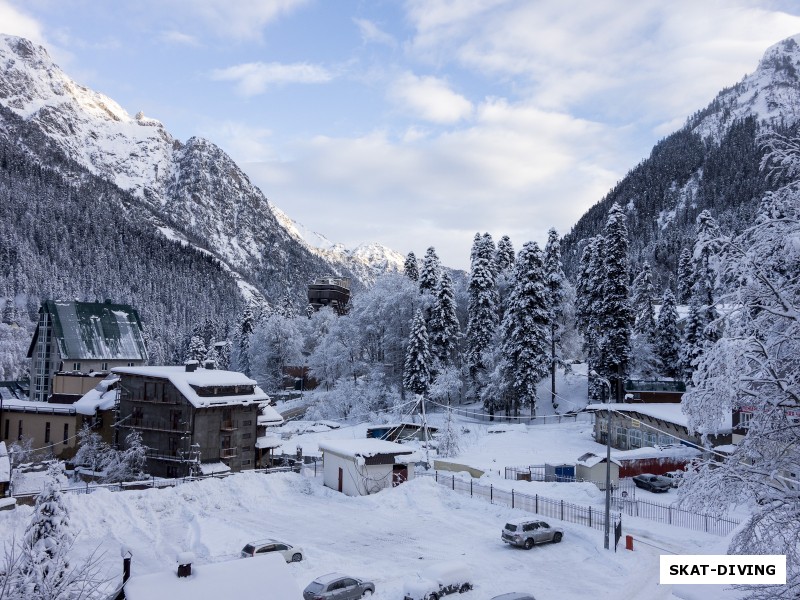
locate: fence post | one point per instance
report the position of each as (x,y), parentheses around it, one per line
(669,508)
(512,497)
(706,520)
(562,510)
(470,488)
(436,476)
(491,494)
(453,483)
(537,504)
(590,516)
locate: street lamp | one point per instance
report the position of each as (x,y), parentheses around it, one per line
(608,462)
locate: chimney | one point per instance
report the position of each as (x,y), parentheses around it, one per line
(185,560)
(209,365)
(191,366)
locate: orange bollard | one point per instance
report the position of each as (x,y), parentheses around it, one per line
(628,542)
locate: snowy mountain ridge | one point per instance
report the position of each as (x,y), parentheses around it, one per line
(194,188)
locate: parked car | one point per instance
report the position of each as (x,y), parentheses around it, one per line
(527,532)
(290,553)
(438,580)
(335,586)
(514,596)
(675,476)
(654,483)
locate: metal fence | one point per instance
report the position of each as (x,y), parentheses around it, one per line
(537,504)
(673,515)
(482,417)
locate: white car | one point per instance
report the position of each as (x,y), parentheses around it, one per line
(290,553)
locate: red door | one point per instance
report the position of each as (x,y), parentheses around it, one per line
(399,474)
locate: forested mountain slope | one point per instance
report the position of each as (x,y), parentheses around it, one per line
(711,163)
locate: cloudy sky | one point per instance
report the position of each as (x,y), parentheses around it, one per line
(419,122)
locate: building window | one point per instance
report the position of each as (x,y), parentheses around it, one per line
(665,440)
(744,419)
(47,432)
(650,438)
(246,436)
(247,423)
(622,438)
(246,448)
(130,364)
(246,462)
(19,430)
(104,366)
(66,432)
(76,366)
(5,432)
(635,438)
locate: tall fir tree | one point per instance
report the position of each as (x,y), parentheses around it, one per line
(410,267)
(416,371)
(616,314)
(525,328)
(668,339)
(554,284)
(244,329)
(482,309)
(197,349)
(505,254)
(692,343)
(685,276)
(444,326)
(429,275)
(642,301)
(589,296)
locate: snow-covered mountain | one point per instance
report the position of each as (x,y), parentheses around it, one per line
(192,188)
(712,163)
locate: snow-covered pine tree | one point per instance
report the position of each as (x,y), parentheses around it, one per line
(244,329)
(692,342)
(410,267)
(44,566)
(525,329)
(642,301)
(616,315)
(416,372)
(444,326)
(93,453)
(482,309)
(588,296)
(685,276)
(505,254)
(554,286)
(755,368)
(704,259)
(197,349)
(429,275)
(668,337)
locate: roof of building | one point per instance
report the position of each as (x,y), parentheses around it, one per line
(269,416)
(94,331)
(661,385)
(13,390)
(364,447)
(102,397)
(242,578)
(591,459)
(667,411)
(188,382)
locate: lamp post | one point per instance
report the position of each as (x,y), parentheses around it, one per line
(607,527)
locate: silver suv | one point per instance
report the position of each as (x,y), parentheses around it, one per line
(525,533)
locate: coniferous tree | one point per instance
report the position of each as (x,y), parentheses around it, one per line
(642,301)
(505,254)
(429,275)
(616,314)
(588,297)
(410,267)
(525,329)
(704,264)
(668,340)
(244,330)
(444,326)
(197,349)
(685,276)
(692,342)
(482,309)
(416,371)
(554,285)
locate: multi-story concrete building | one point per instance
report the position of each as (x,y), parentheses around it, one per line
(193,420)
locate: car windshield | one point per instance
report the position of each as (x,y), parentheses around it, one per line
(511,527)
(248,549)
(315,586)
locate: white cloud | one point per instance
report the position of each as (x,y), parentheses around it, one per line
(429,98)
(240,19)
(15,22)
(179,38)
(254,78)
(370,32)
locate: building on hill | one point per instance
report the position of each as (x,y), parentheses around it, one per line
(75,339)
(330,291)
(654,391)
(192,420)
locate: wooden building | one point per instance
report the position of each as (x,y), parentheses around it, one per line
(359,467)
(193,420)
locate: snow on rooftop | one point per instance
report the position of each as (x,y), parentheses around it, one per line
(214,467)
(269,441)
(243,578)
(590,459)
(99,398)
(269,416)
(667,411)
(364,448)
(186,382)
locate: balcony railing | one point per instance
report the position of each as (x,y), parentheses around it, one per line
(226,453)
(228,426)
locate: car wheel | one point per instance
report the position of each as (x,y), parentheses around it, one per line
(433,596)
(528,543)
(557,537)
(366,594)
(297,557)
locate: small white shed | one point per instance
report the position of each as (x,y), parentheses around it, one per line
(364,466)
(591,467)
